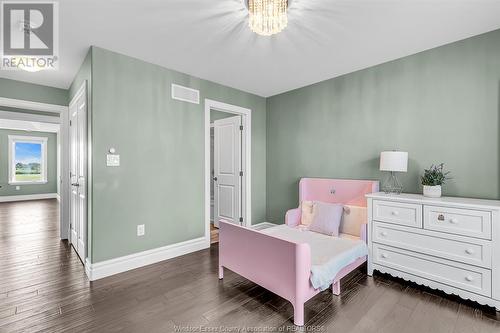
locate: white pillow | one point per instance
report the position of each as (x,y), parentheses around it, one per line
(327,217)
(352,219)
(307,212)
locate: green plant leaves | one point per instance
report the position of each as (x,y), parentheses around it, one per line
(435,175)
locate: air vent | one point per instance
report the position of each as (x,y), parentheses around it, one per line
(185,94)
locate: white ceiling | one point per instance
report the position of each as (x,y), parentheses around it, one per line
(210,39)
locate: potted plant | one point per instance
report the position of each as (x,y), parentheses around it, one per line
(432,180)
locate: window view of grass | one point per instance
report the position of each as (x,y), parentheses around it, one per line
(28,159)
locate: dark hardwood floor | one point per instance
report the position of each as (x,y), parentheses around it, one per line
(43,287)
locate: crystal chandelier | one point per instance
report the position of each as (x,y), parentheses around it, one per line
(267,17)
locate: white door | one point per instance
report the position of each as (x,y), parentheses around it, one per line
(227,170)
(78,173)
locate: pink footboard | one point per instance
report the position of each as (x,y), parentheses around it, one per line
(281,266)
(278,265)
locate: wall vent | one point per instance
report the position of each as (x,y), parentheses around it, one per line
(185,94)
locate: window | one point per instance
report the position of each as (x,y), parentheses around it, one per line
(27,160)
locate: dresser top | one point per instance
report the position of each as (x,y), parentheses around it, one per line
(443,201)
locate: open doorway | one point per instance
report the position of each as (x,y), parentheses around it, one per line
(227,166)
(30,190)
(36,146)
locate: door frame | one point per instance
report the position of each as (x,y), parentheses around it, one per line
(66,183)
(62,112)
(246,201)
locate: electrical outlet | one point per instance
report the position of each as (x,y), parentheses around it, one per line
(140,230)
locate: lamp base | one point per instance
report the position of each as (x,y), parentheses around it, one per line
(392,184)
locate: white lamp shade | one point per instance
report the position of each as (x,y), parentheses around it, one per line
(394,161)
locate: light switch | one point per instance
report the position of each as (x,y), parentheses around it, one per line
(141,230)
(112,160)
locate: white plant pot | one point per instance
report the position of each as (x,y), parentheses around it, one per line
(432,191)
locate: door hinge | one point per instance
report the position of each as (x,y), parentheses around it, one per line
(241,219)
(70,123)
(241,173)
(241,127)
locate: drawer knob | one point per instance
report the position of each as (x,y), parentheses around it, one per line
(440,217)
(384,255)
(453,221)
(469,251)
(395,213)
(383,233)
(469,278)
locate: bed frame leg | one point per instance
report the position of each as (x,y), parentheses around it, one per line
(298,314)
(336,288)
(221,272)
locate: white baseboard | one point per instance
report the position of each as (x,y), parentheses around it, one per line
(24,197)
(110,267)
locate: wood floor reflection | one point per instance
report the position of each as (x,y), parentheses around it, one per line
(43,287)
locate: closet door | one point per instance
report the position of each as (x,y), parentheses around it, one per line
(227,170)
(78,173)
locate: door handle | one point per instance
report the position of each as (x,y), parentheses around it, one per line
(75,184)
(215,179)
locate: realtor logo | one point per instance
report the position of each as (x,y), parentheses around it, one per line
(29,35)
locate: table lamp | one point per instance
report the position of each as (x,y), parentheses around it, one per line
(393,161)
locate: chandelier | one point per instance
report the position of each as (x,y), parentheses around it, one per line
(267,17)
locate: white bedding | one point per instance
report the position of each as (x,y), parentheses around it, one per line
(328,254)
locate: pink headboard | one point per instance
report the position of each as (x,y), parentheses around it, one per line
(345,191)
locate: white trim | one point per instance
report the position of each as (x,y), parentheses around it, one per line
(62,112)
(13,139)
(10,115)
(78,94)
(29,126)
(64,232)
(29,105)
(58,197)
(247,130)
(110,267)
(66,184)
(25,197)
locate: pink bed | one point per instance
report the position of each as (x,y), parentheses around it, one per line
(282,266)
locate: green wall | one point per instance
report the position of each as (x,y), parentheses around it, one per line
(49,187)
(440,105)
(217,115)
(32,92)
(160,182)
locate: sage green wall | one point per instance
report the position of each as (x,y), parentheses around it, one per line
(160,182)
(32,92)
(440,105)
(217,115)
(49,187)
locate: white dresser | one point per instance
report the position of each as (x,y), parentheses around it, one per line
(451,244)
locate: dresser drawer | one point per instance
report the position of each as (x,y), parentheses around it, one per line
(463,249)
(467,222)
(470,278)
(398,213)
